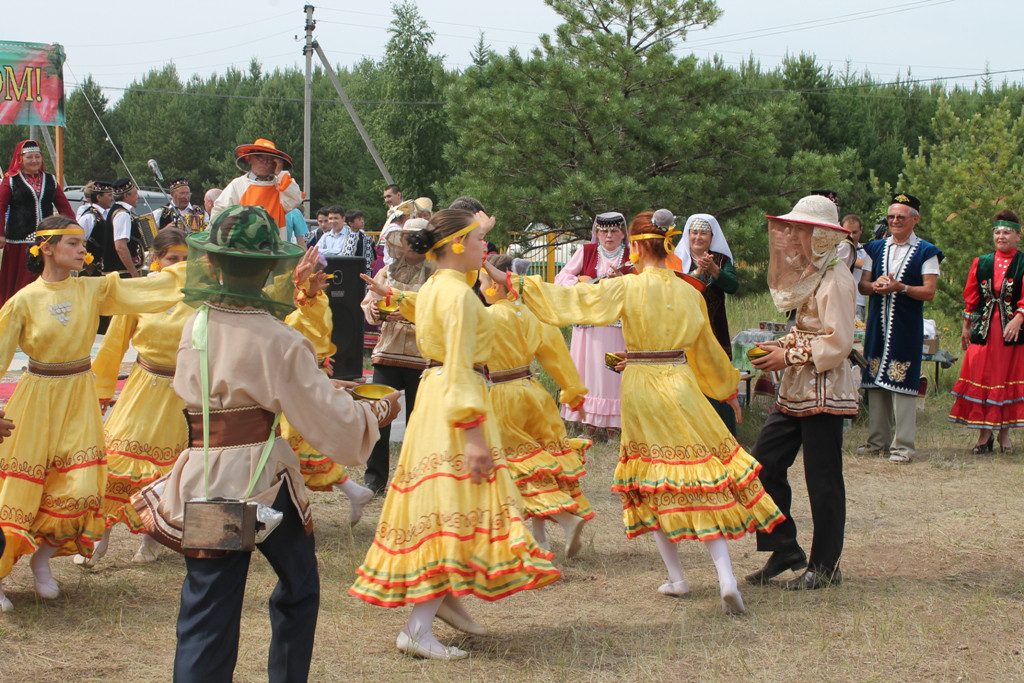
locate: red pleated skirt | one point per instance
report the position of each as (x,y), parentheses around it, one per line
(990,390)
(13,273)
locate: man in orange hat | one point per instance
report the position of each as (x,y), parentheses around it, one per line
(266,182)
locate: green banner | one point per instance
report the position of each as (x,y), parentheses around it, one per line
(31,84)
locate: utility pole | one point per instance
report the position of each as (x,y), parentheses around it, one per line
(352,114)
(307,111)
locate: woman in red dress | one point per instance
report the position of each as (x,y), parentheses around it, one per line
(990,390)
(28,194)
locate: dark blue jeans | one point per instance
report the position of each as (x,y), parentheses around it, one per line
(211,607)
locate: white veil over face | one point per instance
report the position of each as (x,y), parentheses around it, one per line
(718,242)
(798,256)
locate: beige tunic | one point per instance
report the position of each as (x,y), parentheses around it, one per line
(820,377)
(397,343)
(255,360)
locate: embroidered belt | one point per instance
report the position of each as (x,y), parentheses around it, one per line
(73,367)
(478,368)
(154,369)
(672,357)
(499,376)
(231,427)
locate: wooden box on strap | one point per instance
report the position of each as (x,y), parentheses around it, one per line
(219,524)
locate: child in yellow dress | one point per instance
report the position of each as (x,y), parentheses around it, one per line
(146,430)
(545,464)
(53,469)
(681,474)
(452,523)
(314,321)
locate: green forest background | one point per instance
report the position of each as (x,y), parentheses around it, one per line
(603,115)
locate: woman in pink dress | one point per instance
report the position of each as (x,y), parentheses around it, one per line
(606,255)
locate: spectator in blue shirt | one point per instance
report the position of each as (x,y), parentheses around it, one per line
(295,227)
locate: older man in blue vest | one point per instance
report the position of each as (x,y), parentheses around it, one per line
(900,273)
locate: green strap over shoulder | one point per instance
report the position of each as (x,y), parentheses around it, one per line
(200,343)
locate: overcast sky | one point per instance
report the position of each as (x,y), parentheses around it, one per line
(931,38)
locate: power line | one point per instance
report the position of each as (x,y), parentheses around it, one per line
(187,93)
(184,37)
(251,41)
(819,23)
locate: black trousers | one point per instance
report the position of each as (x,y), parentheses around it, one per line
(822,439)
(408,379)
(211,607)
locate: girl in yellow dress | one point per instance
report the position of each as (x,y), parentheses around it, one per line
(452,524)
(545,464)
(53,468)
(681,474)
(314,321)
(146,430)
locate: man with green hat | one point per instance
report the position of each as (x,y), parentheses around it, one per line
(238,370)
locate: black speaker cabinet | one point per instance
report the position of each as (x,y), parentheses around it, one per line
(345,291)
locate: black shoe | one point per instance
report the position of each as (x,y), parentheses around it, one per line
(378,488)
(813,579)
(777,563)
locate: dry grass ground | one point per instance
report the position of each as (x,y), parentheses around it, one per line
(934,591)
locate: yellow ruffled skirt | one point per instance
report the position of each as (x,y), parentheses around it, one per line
(52,468)
(319,472)
(439,533)
(145,433)
(544,463)
(680,470)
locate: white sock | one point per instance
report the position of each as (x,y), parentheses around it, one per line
(719,549)
(40,563)
(354,491)
(421,622)
(669,556)
(540,534)
(566,520)
(101,546)
(5,604)
(149,544)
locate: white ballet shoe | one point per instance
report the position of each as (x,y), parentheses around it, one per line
(675,589)
(732,601)
(574,539)
(357,504)
(145,555)
(459,622)
(5,603)
(88,562)
(47,588)
(410,646)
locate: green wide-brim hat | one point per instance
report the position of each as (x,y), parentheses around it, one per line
(245,232)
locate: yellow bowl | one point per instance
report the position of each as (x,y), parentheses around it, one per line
(756,352)
(385,307)
(372,392)
(612,359)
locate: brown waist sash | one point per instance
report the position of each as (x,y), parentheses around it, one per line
(477,367)
(671,357)
(231,427)
(154,369)
(499,376)
(74,367)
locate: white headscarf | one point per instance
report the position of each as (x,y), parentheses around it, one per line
(718,242)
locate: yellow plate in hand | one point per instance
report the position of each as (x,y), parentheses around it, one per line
(372,392)
(385,307)
(756,352)
(612,359)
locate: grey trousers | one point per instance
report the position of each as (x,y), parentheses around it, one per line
(892,421)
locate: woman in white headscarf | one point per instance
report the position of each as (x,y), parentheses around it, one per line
(606,255)
(705,254)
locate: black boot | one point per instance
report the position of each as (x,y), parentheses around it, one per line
(813,579)
(778,562)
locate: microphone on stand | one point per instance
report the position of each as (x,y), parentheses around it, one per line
(155,168)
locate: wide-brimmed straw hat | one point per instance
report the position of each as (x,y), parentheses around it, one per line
(260,146)
(814,210)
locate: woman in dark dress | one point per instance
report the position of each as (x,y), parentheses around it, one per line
(705,254)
